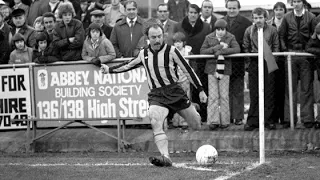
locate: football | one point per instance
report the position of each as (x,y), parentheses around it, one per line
(206,154)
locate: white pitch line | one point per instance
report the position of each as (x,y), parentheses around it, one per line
(232,174)
(193,166)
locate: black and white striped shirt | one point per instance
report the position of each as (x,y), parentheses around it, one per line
(161,67)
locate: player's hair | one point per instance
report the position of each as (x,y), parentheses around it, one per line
(260,11)
(239,6)
(152,22)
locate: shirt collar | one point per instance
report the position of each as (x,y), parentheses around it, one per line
(165,22)
(208,19)
(134,20)
(295,13)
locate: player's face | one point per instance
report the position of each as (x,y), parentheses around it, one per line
(297,5)
(193,15)
(259,20)
(207,9)
(163,13)
(278,12)
(131,11)
(156,38)
(232,8)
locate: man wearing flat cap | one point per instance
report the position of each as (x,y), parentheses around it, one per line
(97,16)
(20,26)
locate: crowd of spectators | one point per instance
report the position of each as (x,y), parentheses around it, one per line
(46,31)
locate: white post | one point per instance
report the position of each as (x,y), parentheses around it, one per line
(149,9)
(261,95)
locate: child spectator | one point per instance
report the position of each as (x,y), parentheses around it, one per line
(68,34)
(179,40)
(313,47)
(19,5)
(22,54)
(43,52)
(220,42)
(97,48)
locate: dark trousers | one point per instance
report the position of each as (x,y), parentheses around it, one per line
(302,68)
(269,98)
(236,87)
(199,66)
(280,78)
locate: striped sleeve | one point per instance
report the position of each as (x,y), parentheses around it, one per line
(187,70)
(128,65)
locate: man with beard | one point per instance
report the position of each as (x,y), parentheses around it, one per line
(237,25)
(250,45)
(20,26)
(166,95)
(127,33)
(195,31)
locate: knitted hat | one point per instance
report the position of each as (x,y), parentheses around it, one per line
(41,37)
(220,23)
(317,29)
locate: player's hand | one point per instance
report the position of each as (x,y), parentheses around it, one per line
(218,75)
(104,69)
(203,97)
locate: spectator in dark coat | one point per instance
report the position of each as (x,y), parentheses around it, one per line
(20,26)
(195,31)
(313,47)
(44,52)
(68,35)
(34,10)
(4,41)
(50,6)
(295,31)
(98,18)
(237,25)
(178,9)
(49,21)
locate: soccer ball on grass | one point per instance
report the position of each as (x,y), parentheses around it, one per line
(206,155)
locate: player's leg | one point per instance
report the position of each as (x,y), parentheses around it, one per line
(192,117)
(157,115)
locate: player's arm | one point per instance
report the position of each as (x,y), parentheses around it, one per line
(187,70)
(123,67)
